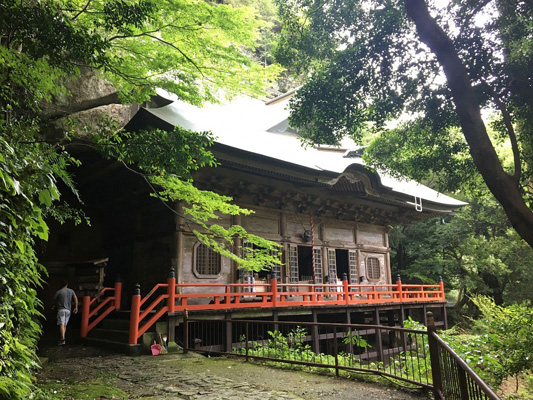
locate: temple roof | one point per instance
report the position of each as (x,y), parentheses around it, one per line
(253,127)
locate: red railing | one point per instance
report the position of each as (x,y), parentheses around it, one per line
(263,295)
(100,307)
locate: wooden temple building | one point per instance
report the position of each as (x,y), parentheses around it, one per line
(329,212)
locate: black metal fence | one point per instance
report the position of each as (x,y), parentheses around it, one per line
(454,379)
(418,357)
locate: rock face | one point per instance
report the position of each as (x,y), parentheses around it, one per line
(89,121)
(90,101)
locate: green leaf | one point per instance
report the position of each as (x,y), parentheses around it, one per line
(20,245)
(45,197)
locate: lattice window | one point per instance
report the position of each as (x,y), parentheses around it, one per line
(352,260)
(332,264)
(207,262)
(293,264)
(373,269)
(318,267)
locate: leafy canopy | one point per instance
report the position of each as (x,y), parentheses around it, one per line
(415,87)
(194,49)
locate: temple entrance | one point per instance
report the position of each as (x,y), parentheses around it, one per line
(305,263)
(343,266)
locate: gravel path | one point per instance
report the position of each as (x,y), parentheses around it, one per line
(194,377)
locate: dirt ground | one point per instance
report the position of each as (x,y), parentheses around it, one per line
(78,372)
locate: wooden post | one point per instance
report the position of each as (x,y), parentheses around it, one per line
(134,316)
(336,351)
(402,334)
(314,334)
(247,343)
(441,289)
(349,332)
(445,316)
(85,309)
(379,341)
(434,357)
(345,288)
(171,291)
(118,292)
(275,318)
(229,333)
(274,290)
(185,331)
(399,287)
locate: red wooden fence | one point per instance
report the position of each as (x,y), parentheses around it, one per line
(100,309)
(174,297)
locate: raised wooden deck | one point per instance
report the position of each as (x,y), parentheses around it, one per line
(171,298)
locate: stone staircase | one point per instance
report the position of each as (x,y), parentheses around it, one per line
(113,333)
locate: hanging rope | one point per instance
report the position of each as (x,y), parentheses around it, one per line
(312,245)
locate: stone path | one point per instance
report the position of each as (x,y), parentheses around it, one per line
(191,377)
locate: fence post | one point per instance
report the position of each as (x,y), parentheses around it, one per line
(118,292)
(246,333)
(134,316)
(399,287)
(434,357)
(336,351)
(345,288)
(229,333)
(171,291)
(85,309)
(274,290)
(185,331)
(463,385)
(441,288)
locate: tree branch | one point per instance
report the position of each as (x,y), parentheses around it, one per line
(148,34)
(82,10)
(510,131)
(502,185)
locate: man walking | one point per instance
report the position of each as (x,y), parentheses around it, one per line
(63,303)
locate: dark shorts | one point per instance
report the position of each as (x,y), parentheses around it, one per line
(63,317)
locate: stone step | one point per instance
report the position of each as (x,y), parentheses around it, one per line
(119,347)
(117,335)
(114,324)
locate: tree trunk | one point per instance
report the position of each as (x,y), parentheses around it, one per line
(503,186)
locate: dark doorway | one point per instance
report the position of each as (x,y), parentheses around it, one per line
(343,266)
(305,263)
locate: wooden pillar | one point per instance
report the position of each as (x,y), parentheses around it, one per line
(349,322)
(445,316)
(177,256)
(314,334)
(285,239)
(401,321)
(134,315)
(237,244)
(434,357)
(379,341)
(229,333)
(172,319)
(275,318)
(390,322)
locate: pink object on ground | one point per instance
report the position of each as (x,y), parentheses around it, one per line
(156,348)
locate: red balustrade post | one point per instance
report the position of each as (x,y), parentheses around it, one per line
(345,289)
(118,293)
(171,290)
(274,290)
(227,296)
(135,312)
(441,288)
(399,287)
(85,309)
